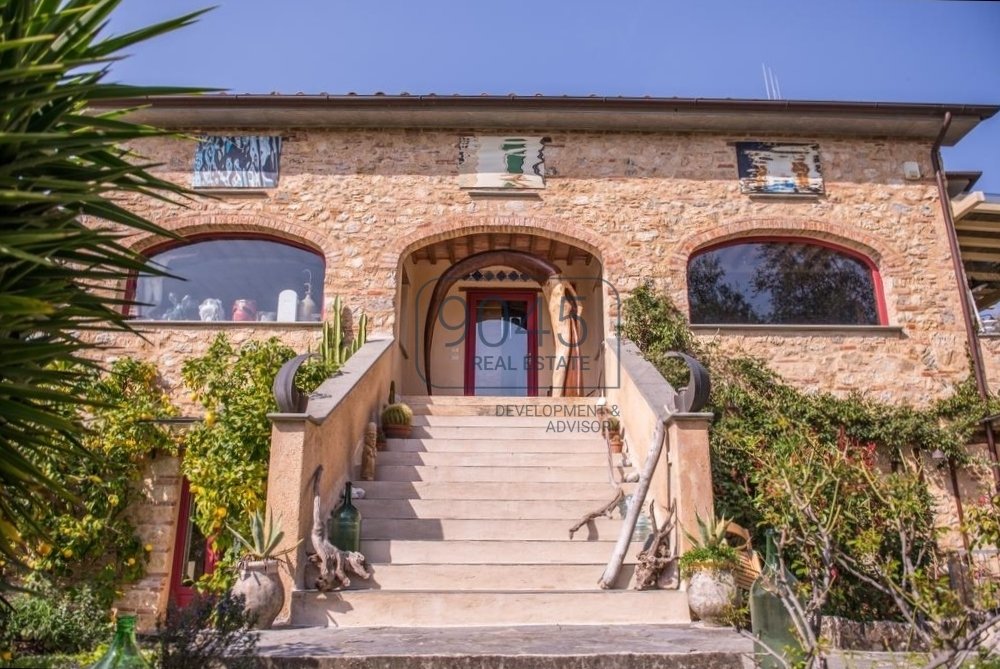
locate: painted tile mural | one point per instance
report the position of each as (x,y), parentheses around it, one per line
(501,162)
(778,168)
(241,161)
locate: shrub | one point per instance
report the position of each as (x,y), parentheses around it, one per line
(211,628)
(55,620)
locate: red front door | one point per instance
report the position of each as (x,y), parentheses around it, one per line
(193,556)
(501,343)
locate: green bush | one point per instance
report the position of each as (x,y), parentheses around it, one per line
(764,429)
(54,620)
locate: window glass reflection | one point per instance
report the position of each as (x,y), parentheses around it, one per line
(233,280)
(780,283)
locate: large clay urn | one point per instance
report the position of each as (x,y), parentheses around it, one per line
(711,591)
(260,585)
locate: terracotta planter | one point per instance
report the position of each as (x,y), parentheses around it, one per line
(397,431)
(710,593)
(261,587)
(615,439)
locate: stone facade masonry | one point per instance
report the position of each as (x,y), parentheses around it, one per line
(641,203)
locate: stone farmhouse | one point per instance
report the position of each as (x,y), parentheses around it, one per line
(490,240)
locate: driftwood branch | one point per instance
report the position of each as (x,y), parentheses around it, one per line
(605,511)
(657,555)
(333,563)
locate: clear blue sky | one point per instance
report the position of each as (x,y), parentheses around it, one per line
(888,50)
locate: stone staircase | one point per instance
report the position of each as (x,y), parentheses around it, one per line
(467,524)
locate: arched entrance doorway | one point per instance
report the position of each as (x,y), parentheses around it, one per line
(501,313)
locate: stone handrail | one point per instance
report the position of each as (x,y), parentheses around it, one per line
(330,432)
(675,462)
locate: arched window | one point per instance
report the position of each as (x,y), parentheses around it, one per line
(232,278)
(783,281)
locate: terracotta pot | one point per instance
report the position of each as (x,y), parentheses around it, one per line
(397,431)
(710,593)
(244,310)
(615,440)
(261,587)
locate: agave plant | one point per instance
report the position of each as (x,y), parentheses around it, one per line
(64,179)
(265,537)
(710,548)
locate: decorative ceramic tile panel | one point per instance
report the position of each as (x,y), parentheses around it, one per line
(242,161)
(779,168)
(501,162)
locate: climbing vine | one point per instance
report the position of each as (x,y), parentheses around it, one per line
(87,539)
(765,428)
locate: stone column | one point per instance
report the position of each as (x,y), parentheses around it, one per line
(690,471)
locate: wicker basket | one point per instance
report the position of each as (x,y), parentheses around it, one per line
(749,565)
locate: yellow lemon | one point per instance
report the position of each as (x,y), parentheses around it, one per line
(220,512)
(209,418)
(67,553)
(45,550)
(131,561)
(148,548)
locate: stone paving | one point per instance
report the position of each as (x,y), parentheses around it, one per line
(576,647)
(543,647)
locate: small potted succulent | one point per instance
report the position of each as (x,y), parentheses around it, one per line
(709,567)
(258,581)
(613,425)
(397,417)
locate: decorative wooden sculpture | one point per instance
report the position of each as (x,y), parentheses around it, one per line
(334,564)
(370,454)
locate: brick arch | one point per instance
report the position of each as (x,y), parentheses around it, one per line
(207,224)
(459,226)
(855,239)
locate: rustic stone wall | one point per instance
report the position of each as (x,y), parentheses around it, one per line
(641,203)
(155,519)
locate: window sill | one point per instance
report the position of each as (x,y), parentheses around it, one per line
(505,193)
(252,193)
(792,330)
(141,324)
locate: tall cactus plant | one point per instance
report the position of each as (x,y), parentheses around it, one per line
(333,350)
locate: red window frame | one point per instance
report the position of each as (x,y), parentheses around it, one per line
(181,594)
(880,305)
(187,240)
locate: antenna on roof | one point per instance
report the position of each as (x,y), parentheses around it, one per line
(771,86)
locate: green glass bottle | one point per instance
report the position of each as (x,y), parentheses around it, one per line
(124,651)
(770,621)
(343,529)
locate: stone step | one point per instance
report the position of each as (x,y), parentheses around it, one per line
(523,474)
(493,400)
(571,430)
(494,459)
(446,608)
(491,490)
(568,511)
(489,445)
(556,551)
(487,577)
(501,421)
(494,529)
(589,646)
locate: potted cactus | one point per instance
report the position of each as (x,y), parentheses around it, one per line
(258,580)
(397,417)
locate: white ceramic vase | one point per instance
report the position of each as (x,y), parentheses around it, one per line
(710,592)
